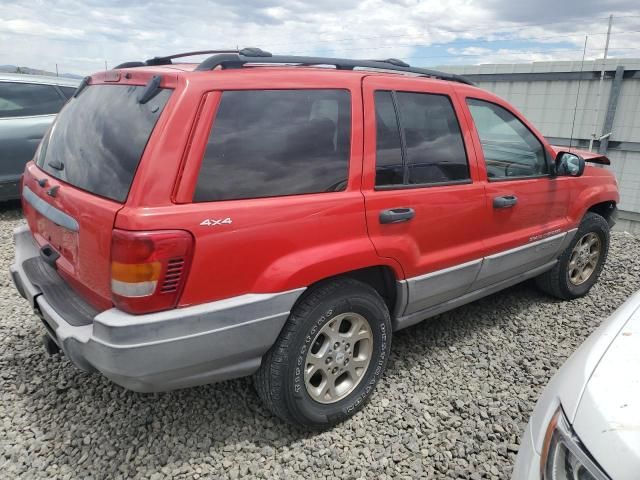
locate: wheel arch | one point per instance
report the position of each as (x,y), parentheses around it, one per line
(601,199)
(606,210)
(381,278)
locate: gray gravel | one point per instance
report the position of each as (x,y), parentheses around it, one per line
(456,396)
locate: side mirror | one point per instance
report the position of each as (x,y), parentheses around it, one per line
(569,164)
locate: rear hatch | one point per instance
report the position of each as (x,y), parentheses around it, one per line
(81,176)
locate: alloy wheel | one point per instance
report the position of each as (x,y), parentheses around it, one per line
(584,258)
(338,358)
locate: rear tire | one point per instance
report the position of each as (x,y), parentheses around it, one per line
(304,379)
(580,264)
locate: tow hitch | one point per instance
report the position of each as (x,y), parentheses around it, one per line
(50,346)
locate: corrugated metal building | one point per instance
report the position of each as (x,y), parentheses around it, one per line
(548,94)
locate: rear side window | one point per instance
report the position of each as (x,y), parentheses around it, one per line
(430,140)
(28,99)
(98,138)
(389,166)
(267,143)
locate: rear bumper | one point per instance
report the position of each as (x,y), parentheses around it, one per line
(166,350)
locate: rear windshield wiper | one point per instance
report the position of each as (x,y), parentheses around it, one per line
(85,81)
(57,164)
(151,89)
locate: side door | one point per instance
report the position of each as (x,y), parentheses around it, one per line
(527,206)
(26,111)
(425,207)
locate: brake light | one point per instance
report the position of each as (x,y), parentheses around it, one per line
(149,269)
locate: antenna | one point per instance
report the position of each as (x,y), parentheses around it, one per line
(575,108)
(596,113)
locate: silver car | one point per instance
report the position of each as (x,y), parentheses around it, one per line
(28,105)
(586,424)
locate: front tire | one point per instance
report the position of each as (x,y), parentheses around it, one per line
(580,264)
(328,358)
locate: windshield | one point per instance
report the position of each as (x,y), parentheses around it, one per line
(98,138)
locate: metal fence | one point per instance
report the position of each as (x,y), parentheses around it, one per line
(551,94)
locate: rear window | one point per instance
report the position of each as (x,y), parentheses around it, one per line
(267,143)
(98,138)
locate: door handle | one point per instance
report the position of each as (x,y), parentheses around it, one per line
(505,201)
(397,215)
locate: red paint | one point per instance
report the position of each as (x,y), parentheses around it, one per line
(133,254)
(282,243)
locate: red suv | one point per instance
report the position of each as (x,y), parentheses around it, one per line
(267,215)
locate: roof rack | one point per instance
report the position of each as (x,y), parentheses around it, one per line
(238,59)
(167,60)
(227,59)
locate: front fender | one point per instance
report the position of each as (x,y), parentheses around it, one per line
(596,186)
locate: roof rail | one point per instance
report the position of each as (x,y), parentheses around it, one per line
(238,59)
(167,60)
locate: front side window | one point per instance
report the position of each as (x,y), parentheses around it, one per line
(419,141)
(510,149)
(267,143)
(28,99)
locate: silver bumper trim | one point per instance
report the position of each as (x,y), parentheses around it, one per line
(166,350)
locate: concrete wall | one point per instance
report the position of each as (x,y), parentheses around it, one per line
(548,94)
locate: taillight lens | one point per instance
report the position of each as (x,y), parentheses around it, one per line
(149,269)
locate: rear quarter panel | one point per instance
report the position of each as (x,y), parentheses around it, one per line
(269,244)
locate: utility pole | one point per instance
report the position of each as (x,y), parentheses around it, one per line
(105,66)
(596,113)
(57,74)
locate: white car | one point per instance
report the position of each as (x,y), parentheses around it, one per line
(586,424)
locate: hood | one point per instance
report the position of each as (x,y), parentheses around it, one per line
(568,385)
(591,157)
(608,416)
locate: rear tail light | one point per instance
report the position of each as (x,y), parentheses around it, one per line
(149,269)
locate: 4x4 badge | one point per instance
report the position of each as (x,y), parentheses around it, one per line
(210,222)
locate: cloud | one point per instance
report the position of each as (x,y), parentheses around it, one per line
(554,10)
(80,35)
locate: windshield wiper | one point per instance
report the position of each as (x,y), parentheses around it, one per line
(151,89)
(57,164)
(85,81)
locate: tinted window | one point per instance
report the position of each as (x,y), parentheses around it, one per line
(389,167)
(26,99)
(98,138)
(434,146)
(67,91)
(510,149)
(267,143)
(427,148)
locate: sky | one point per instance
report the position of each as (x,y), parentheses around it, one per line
(80,36)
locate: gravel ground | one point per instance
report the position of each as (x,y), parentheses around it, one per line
(457,393)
